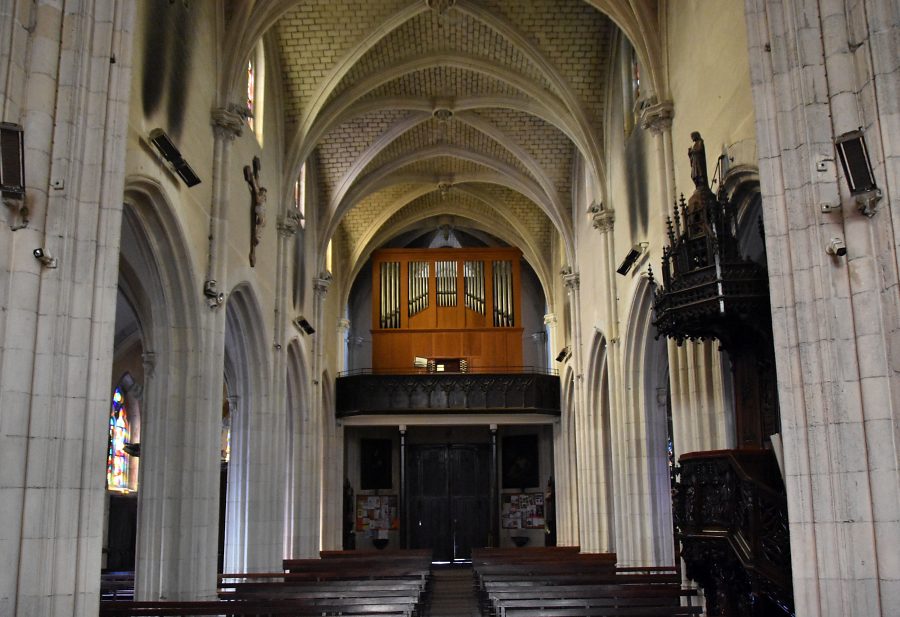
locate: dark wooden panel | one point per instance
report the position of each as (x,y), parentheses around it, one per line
(437,392)
(449,499)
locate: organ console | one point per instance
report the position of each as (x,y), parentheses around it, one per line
(479,330)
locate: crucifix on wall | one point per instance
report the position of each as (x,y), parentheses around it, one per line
(257,206)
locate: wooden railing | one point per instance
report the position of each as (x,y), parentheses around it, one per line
(731,519)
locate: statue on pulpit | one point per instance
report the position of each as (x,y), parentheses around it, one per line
(697,154)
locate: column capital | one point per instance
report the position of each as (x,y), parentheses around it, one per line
(343,324)
(322,282)
(550,319)
(603,220)
(149,360)
(289,223)
(570,278)
(227,123)
(657,117)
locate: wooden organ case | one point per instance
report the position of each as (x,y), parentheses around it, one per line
(454,310)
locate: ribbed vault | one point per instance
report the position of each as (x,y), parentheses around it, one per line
(409,107)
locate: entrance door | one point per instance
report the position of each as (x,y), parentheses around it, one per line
(449,499)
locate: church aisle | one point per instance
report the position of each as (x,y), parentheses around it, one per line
(453,594)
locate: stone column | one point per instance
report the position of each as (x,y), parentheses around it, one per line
(57,327)
(595,476)
(820,68)
(329,455)
(550,322)
(236,494)
(702,412)
(287,224)
(566,451)
(343,330)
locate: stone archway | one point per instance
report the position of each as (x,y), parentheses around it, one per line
(175,554)
(254,517)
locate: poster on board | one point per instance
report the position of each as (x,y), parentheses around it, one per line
(377,513)
(522,511)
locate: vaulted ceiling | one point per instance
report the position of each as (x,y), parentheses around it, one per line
(414,109)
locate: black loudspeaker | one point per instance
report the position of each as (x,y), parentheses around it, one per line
(12,160)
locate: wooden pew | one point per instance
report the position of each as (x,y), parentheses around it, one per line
(563,583)
(386,585)
(248,608)
(399,577)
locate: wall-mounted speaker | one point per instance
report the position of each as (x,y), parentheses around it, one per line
(12,160)
(172,154)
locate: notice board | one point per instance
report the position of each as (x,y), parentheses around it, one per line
(377,513)
(522,511)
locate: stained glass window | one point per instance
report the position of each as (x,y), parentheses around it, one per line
(251,91)
(225,442)
(300,195)
(117,459)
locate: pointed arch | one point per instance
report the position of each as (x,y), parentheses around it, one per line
(301,538)
(598,533)
(254,512)
(644,520)
(177,479)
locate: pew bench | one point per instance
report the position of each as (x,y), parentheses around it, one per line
(248,608)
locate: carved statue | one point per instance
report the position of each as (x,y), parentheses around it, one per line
(697,154)
(257,206)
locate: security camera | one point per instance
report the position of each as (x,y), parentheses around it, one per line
(836,247)
(46,259)
(214,297)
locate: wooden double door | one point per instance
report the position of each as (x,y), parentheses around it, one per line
(449,498)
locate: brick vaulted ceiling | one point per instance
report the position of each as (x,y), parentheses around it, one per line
(413,108)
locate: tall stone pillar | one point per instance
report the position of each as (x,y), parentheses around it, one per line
(702,413)
(57,323)
(566,447)
(343,331)
(820,69)
(551,322)
(329,459)
(597,528)
(284,514)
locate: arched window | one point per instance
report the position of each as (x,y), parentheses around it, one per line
(225,439)
(635,76)
(117,458)
(300,196)
(631,85)
(251,91)
(256,80)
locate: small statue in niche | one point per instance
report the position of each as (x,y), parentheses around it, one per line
(697,154)
(257,206)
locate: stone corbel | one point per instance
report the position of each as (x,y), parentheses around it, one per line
(227,123)
(603,220)
(18,211)
(289,223)
(322,282)
(571,278)
(148,358)
(657,116)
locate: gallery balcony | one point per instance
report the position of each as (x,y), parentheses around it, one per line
(506,390)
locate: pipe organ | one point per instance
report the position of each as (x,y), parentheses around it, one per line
(478,330)
(390,294)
